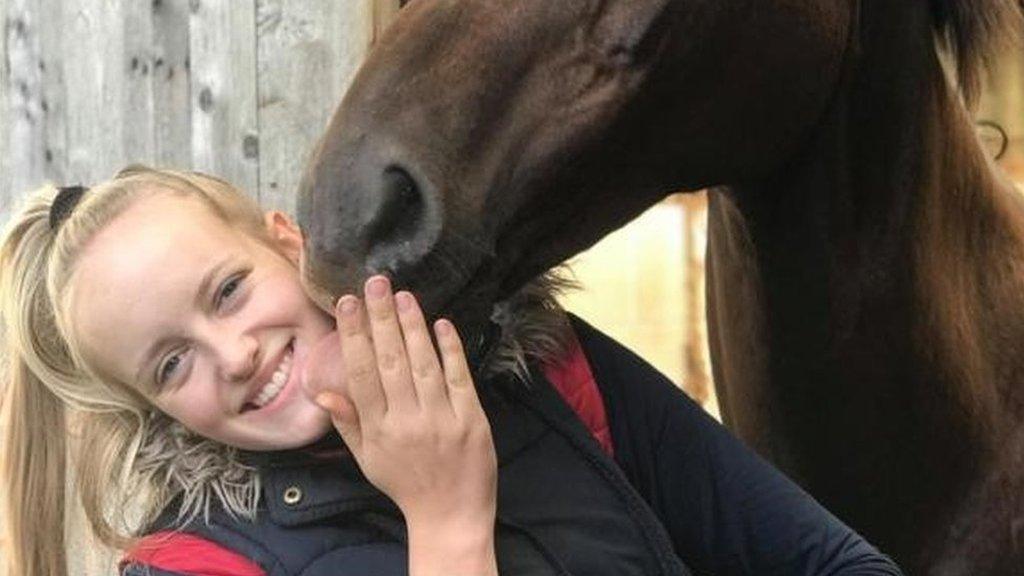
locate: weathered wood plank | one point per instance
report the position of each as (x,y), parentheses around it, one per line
(135,83)
(94,70)
(225,126)
(6,196)
(308,54)
(24,115)
(169,65)
(54,92)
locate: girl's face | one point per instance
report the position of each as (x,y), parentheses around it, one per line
(207,322)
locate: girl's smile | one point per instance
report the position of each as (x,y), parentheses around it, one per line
(265,394)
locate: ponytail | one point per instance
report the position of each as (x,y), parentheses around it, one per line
(32,468)
(32,418)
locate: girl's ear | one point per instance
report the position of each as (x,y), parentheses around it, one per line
(285,234)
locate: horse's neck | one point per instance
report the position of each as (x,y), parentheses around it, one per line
(866,314)
(866,303)
(891,236)
(969,267)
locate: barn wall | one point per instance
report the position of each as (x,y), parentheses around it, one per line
(237,88)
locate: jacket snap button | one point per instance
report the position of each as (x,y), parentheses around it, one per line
(292,495)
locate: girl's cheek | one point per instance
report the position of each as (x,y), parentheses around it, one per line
(204,420)
(323,368)
(198,413)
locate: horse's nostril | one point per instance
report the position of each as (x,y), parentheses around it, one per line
(400,210)
(398,183)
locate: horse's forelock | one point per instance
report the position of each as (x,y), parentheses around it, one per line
(973,32)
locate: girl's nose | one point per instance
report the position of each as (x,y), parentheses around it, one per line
(238,357)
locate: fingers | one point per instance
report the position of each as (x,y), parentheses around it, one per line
(343,416)
(359,359)
(456,370)
(389,346)
(426,369)
(391,362)
(436,461)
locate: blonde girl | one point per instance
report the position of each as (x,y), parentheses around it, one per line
(84,288)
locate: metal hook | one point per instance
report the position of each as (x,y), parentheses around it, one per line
(1002,135)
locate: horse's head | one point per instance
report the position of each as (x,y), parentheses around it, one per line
(484,141)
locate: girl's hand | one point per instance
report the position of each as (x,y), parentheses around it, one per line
(416,427)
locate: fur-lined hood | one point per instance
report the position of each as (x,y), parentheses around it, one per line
(173,461)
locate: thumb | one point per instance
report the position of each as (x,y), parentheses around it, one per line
(343,416)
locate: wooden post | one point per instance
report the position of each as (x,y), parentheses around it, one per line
(697,380)
(5,78)
(169,62)
(23,114)
(91,52)
(225,124)
(308,54)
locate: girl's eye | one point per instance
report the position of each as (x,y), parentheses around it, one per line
(168,368)
(228,289)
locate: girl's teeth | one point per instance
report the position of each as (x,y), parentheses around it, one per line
(277,382)
(278,378)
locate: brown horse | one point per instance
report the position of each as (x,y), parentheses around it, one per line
(866,259)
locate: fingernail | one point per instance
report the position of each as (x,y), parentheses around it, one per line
(325,400)
(348,304)
(443,327)
(377,287)
(403,301)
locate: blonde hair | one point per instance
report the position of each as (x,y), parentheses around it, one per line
(125,450)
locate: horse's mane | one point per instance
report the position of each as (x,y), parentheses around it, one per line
(974,32)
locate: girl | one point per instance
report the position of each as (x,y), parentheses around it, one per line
(162,315)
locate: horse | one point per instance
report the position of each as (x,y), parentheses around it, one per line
(865,262)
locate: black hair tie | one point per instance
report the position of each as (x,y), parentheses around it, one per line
(66,200)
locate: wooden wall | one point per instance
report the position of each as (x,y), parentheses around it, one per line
(644,286)
(237,88)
